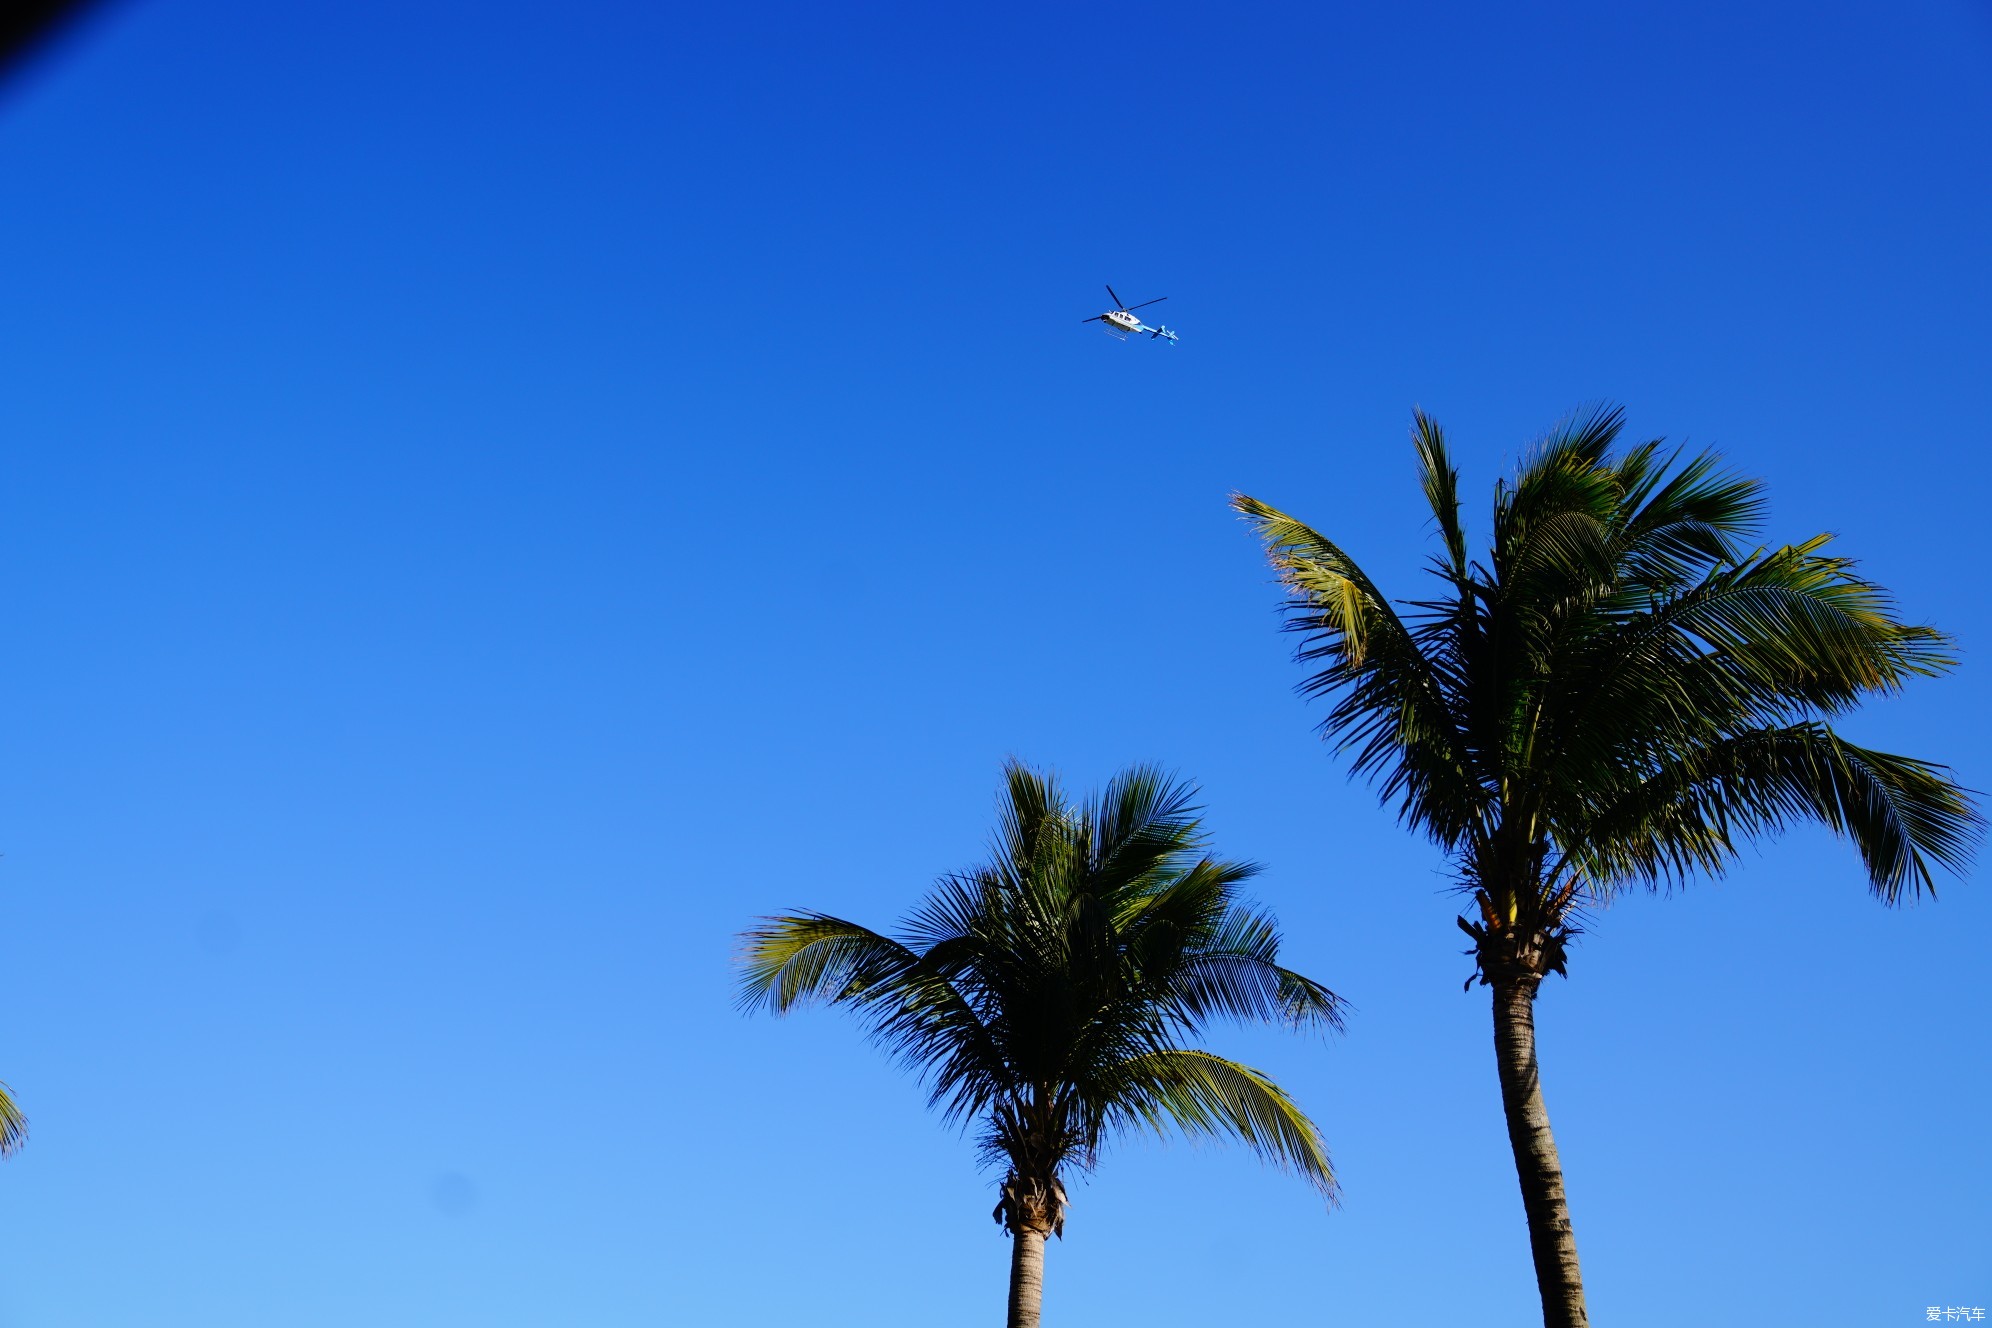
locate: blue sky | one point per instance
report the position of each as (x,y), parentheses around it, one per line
(501,495)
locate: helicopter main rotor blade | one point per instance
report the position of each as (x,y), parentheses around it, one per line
(1144,304)
(1117,299)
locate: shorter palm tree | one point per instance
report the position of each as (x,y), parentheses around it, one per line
(1047,997)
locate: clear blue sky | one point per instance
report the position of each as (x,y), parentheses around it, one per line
(497,496)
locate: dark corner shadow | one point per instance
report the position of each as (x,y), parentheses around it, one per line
(33,30)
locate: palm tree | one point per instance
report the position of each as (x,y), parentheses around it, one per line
(1622,693)
(1047,997)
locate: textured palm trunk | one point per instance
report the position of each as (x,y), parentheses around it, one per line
(1552,1240)
(1026,1277)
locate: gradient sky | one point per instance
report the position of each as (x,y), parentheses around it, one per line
(499,495)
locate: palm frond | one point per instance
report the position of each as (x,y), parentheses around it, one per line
(1327,579)
(1391,701)
(1245,987)
(1582,440)
(1028,819)
(1440,481)
(909,1003)
(1215,956)
(1784,636)
(1203,1094)
(1560,478)
(1195,900)
(1903,815)
(809,957)
(13,1124)
(1681,521)
(1142,826)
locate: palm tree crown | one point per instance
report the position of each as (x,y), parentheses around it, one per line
(1625,688)
(1047,997)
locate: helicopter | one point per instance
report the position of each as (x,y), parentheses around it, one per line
(1120,320)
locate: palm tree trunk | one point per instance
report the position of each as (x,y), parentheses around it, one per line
(1026,1277)
(1552,1240)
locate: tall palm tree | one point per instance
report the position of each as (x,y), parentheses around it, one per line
(1618,696)
(1047,997)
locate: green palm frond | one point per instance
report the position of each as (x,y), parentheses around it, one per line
(1782,637)
(789,961)
(1562,481)
(1392,701)
(1331,582)
(1227,954)
(1678,525)
(1202,1094)
(13,1124)
(1245,987)
(1031,826)
(905,1000)
(1902,814)
(1441,484)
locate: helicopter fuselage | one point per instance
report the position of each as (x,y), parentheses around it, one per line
(1122,324)
(1120,321)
